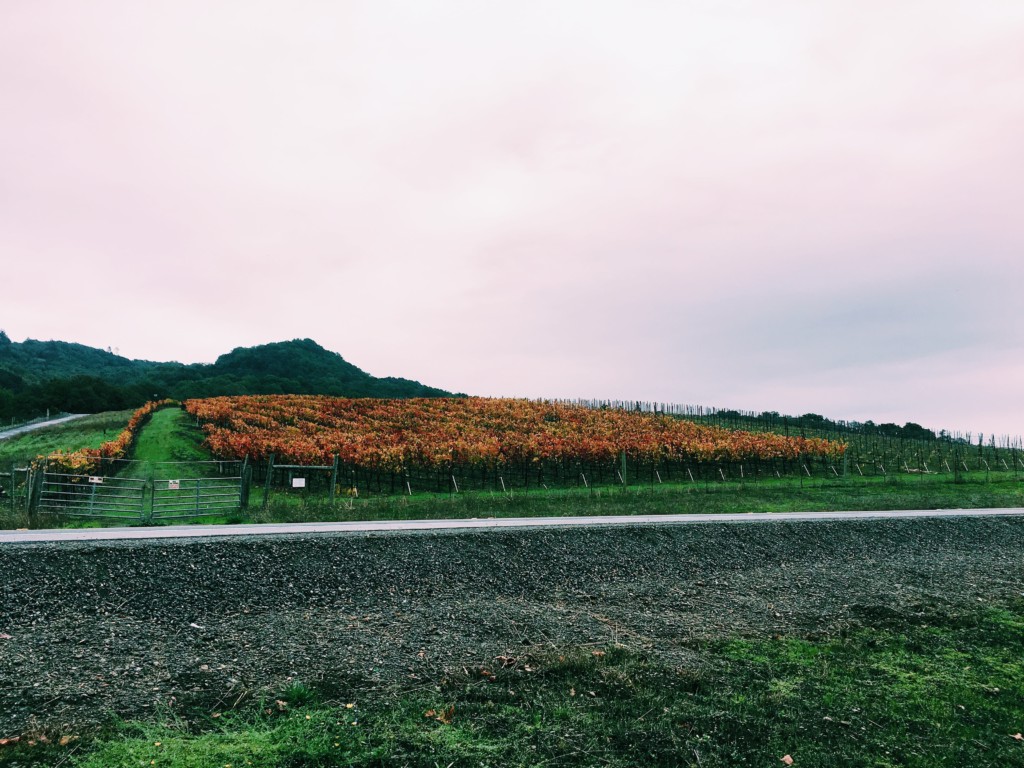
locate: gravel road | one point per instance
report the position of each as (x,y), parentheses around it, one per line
(92,629)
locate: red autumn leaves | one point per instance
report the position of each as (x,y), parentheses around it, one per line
(439,432)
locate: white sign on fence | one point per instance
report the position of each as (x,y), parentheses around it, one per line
(96,480)
(173,485)
(298,482)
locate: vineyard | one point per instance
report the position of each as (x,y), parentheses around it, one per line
(366,445)
(871,449)
(441,443)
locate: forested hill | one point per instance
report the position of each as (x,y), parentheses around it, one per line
(62,376)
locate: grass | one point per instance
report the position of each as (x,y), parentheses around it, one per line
(927,691)
(999,490)
(170,436)
(1002,490)
(87,432)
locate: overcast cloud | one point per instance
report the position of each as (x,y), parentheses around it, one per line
(792,206)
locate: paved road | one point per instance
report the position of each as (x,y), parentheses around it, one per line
(4,434)
(270,529)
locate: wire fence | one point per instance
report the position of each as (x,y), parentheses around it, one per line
(340,480)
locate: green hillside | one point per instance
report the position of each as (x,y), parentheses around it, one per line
(62,376)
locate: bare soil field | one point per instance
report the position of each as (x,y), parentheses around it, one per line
(94,630)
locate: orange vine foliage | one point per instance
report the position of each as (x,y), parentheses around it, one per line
(436,432)
(87,460)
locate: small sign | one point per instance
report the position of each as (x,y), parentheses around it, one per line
(173,485)
(298,482)
(96,480)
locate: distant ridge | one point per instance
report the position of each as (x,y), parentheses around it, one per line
(64,376)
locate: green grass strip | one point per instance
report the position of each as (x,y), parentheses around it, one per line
(168,436)
(931,690)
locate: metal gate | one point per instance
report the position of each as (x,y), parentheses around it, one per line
(139,499)
(92,496)
(196,497)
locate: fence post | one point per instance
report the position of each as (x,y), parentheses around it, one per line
(28,488)
(246,482)
(36,490)
(334,480)
(266,485)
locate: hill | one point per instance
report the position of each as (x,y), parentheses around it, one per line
(59,375)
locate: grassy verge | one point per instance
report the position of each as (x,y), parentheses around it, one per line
(787,495)
(922,691)
(727,498)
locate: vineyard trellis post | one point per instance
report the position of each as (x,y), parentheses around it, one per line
(13,485)
(35,488)
(332,492)
(246,484)
(266,484)
(28,489)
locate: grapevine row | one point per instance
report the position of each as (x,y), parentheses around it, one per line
(398,435)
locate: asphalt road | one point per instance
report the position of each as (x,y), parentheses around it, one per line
(15,431)
(271,529)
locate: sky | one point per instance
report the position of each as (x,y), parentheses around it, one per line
(789,206)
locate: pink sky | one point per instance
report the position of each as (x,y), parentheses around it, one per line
(785,206)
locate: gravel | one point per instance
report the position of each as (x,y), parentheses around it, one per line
(129,629)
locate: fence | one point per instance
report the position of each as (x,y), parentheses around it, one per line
(340,480)
(13,487)
(145,492)
(196,497)
(91,496)
(809,423)
(152,493)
